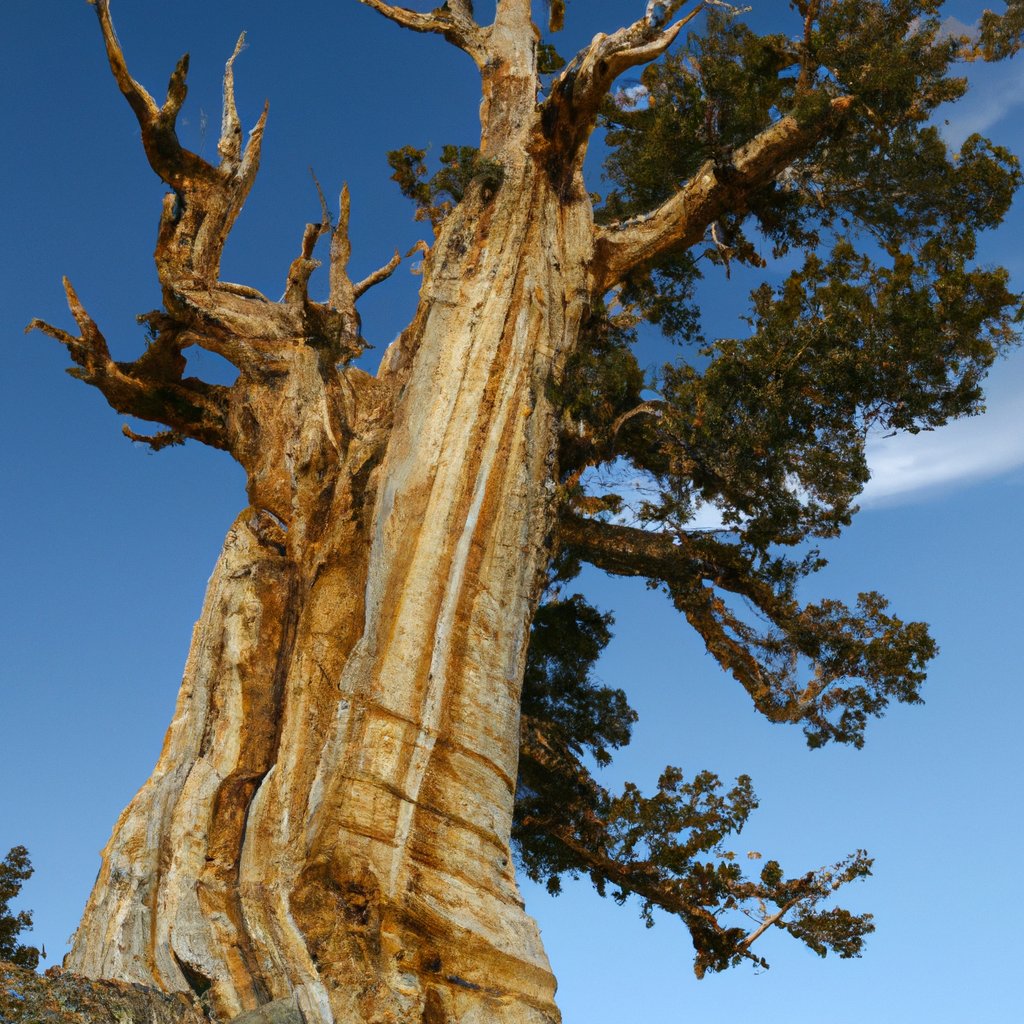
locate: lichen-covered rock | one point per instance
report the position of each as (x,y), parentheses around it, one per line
(281,1011)
(59,997)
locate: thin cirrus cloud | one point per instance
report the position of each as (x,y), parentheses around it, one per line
(995,91)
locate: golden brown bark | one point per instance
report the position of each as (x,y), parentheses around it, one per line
(334,800)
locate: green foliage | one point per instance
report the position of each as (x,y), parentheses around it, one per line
(667,850)
(15,870)
(548,59)
(884,324)
(567,638)
(1001,34)
(461,168)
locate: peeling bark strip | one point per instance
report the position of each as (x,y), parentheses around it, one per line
(328,823)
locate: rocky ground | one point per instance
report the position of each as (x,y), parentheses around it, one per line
(59,997)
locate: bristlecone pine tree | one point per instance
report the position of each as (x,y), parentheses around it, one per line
(368,732)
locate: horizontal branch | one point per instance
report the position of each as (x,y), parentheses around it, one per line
(715,189)
(858,659)
(690,575)
(675,559)
(577,823)
(453,20)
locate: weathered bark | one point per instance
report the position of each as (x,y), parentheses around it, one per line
(329,819)
(333,803)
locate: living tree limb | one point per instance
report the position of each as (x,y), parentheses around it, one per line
(860,658)
(655,848)
(715,189)
(570,110)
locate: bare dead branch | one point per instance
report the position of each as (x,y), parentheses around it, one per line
(336,321)
(230,144)
(454,21)
(340,293)
(164,439)
(151,388)
(577,94)
(297,287)
(380,274)
(140,101)
(206,199)
(772,919)
(682,220)
(166,155)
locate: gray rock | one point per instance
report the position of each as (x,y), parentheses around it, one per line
(60,997)
(281,1011)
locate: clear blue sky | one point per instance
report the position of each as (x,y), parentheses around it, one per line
(109,546)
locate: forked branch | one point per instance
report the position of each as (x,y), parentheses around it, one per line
(237,322)
(336,322)
(206,199)
(716,188)
(858,659)
(150,388)
(577,94)
(342,289)
(656,848)
(690,576)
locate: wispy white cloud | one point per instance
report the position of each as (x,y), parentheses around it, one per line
(995,91)
(904,468)
(910,467)
(955,27)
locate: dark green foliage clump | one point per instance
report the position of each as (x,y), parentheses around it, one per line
(15,870)
(548,59)
(437,195)
(667,850)
(883,322)
(1000,35)
(568,636)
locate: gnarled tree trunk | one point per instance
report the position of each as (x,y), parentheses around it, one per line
(333,803)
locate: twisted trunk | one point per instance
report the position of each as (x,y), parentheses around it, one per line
(330,815)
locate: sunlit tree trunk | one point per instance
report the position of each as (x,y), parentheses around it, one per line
(332,808)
